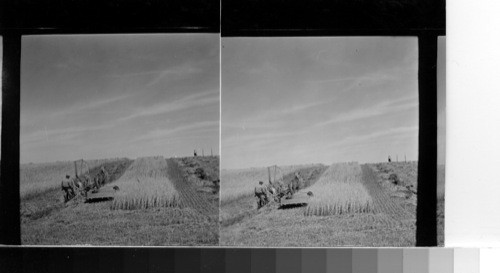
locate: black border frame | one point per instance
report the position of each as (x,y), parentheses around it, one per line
(424,19)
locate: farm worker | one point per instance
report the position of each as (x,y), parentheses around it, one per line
(291,188)
(67,186)
(279,186)
(261,194)
(294,185)
(87,182)
(299,181)
(100,179)
(97,182)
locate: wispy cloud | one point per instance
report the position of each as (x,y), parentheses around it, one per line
(378,76)
(353,140)
(366,138)
(176,72)
(102,102)
(82,107)
(58,134)
(383,108)
(237,140)
(156,75)
(273,118)
(164,133)
(194,100)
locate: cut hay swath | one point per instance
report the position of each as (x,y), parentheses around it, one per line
(339,191)
(145,185)
(239,183)
(39,178)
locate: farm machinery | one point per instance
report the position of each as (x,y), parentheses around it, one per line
(87,183)
(287,194)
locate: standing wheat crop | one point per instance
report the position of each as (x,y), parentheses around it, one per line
(340,191)
(145,185)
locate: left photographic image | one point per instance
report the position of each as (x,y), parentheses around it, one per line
(119,141)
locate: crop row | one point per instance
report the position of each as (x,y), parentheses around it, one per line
(145,185)
(189,197)
(339,191)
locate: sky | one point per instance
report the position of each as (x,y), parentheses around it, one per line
(318,100)
(103,96)
(441,92)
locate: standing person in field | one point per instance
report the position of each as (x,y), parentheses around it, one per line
(299,181)
(100,178)
(261,194)
(389,159)
(280,187)
(67,185)
(295,184)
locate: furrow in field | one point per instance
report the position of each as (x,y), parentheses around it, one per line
(187,192)
(381,199)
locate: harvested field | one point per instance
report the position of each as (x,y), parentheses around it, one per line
(382,201)
(96,224)
(204,168)
(400,173)
(290,228)
(398,180)
(241,182)
(235,210)
(390,220)
(43,203)
(47,220)
(188,195)
(202,173)
(339,191)
(36,179)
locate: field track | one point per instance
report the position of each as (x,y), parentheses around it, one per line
(382,201)
(187,192)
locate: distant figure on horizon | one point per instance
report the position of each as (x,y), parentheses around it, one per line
(389,159)
(194,153)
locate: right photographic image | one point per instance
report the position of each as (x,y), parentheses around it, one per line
(319,141)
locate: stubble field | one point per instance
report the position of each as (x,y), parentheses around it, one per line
(353,205)
(151,207)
